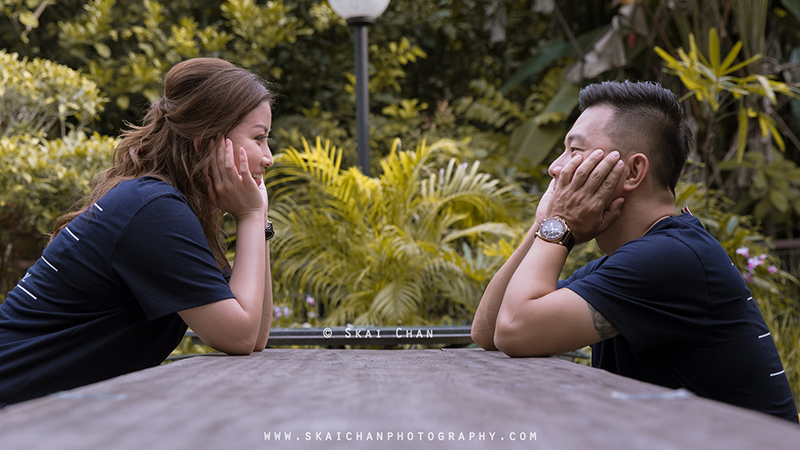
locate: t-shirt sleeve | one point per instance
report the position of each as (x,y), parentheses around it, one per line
(652,291)
(162,255)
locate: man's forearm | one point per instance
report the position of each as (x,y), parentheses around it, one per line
(520,324)
(537,274)
(483,325)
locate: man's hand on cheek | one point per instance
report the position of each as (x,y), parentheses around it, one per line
(582,194)
(543,208)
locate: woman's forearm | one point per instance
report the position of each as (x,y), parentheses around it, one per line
(248,283)
(266,308)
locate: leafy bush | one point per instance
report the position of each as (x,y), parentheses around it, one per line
(38,95)
(44,178)
(46,159)
(393,249)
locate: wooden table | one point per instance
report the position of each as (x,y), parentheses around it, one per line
(433,398)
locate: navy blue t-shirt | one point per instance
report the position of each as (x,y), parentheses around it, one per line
(103,298)
(686,319)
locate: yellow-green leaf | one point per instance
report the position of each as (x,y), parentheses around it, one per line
(763,124)
(742,138)
(768,92)
(123,101)
(666,56)
(28,19)
(742,64)
(102,50)
(778,200)
(713,50)
(778,138)
(737,47)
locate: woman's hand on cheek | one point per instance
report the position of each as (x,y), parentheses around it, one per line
(234,190)
(263,191)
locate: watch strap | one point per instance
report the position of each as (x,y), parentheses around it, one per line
(269,232)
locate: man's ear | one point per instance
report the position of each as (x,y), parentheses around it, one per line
(635,170)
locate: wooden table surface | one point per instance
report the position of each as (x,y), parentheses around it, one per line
(297,397)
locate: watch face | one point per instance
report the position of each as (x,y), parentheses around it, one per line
(553,229)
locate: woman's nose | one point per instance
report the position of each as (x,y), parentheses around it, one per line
(267,160)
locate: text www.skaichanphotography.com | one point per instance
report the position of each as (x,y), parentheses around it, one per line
(398,436)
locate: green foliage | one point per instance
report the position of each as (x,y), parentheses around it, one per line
(44,178)
(398,248)
(710,81)
(131,60)
(38,95)
(733,81)
(774,185)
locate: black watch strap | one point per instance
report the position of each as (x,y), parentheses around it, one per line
(269,233)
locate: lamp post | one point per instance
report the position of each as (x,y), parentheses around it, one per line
(359,14)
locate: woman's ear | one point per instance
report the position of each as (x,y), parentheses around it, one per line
(635,170)
(196,143)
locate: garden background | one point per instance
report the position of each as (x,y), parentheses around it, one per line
(470,101)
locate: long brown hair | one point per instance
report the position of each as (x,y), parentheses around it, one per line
(203,99)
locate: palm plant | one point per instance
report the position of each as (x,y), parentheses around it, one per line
(399,248)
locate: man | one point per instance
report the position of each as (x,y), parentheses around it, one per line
(666,305)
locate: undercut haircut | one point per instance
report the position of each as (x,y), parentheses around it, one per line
(647,118)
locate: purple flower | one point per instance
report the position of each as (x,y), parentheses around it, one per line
(755,261)
(772,269)
(744,251)
(277,311)
(748,277)
(310,300)
(286,311)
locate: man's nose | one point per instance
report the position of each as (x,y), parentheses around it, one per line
(555,168)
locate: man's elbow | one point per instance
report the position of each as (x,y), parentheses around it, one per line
(484,338)
(511,341)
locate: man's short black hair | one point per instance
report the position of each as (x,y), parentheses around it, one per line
(645,115)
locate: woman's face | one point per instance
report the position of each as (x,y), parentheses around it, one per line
(253,135)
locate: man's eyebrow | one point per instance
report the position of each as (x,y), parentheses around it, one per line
(573,138)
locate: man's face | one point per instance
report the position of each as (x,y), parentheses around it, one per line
(587,135)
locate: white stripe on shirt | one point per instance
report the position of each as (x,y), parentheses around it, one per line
(48,263)
(27,292)
(73,234)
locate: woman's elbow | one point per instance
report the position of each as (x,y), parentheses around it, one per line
(243,344)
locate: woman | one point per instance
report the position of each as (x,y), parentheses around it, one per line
(123,277)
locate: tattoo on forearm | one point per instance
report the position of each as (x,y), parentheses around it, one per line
(601,324)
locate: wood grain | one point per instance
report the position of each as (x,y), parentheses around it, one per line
(229,402)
